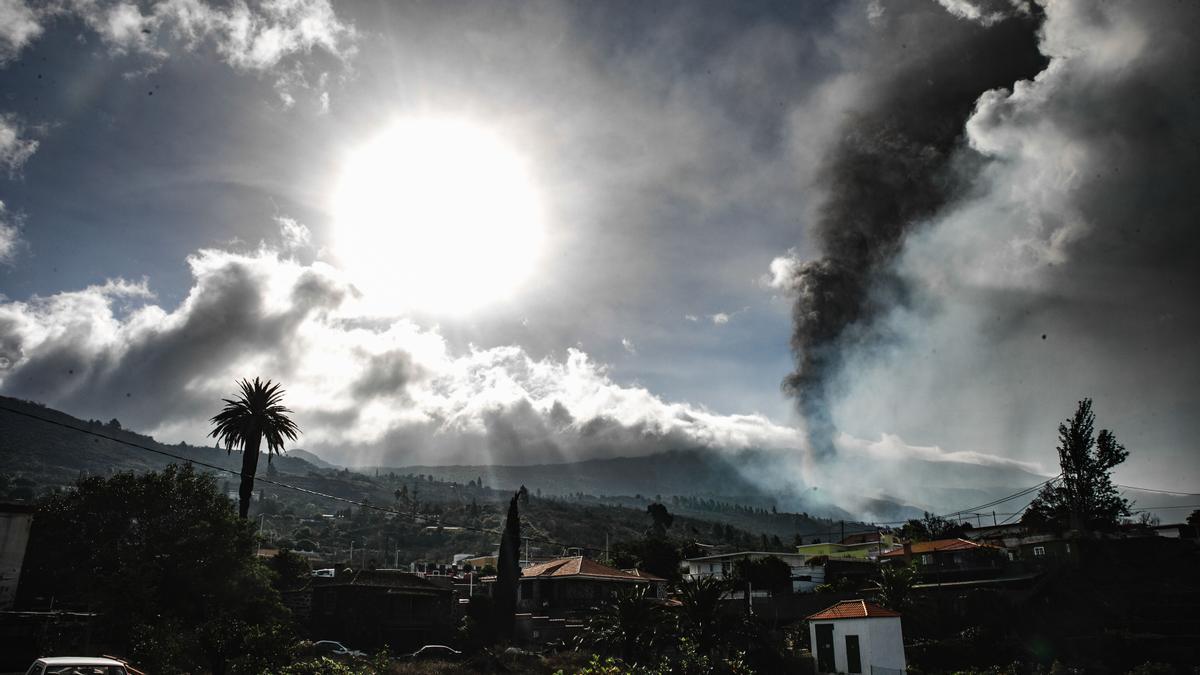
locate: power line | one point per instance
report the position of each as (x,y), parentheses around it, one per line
(268,481)
(1019,511)
(1161,492)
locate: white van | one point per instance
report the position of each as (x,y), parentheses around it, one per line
(76,665)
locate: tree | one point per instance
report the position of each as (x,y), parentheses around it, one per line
(508,573)
(661,519)
(292,571)
(929,528)
(894,588)
(769,573)
(700,609)
(255,414)
(1085,497)
(164,560)
(630,623)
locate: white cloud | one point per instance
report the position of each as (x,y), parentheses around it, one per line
(985,12)
(15,147)
(295,235)
(252,36)
(781,274)
(19,26)
(355,382)
(10,236)
(628,345)
(720,318)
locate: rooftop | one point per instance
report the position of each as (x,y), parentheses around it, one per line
(78,661)
(579,566)
(920,547)
(390,579)
(853,609)
(744,554)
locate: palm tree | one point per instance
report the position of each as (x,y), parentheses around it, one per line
(700,609)
(630,622)
(256,413)
(894,588)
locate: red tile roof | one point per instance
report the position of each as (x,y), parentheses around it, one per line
(853,609)
(937,545)
(578,566)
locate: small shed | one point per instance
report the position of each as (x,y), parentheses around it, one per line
(855,636)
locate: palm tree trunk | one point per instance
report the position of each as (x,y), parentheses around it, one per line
(249,466)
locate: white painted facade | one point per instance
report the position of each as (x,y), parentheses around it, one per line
(721,566)
(15,523)
(880,641)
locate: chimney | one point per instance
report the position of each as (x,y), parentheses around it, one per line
(908,553)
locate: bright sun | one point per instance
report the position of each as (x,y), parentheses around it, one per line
(436,215)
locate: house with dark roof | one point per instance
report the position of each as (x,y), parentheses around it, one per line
(566,585)
(371,608)
(949,559)
(856,636)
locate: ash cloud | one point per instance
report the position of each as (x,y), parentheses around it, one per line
(898,160)
(1071,269)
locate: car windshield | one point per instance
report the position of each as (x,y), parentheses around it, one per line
(84,670)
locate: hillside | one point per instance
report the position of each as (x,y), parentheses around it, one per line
(937,486)
(36,456)
(51,454)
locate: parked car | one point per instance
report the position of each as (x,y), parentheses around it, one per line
(76,665)
(436,652)
(332,648)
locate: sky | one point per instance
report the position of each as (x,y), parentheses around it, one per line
(539,231)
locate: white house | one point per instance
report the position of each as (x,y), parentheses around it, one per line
(15,523)
(721,565)
(855,636)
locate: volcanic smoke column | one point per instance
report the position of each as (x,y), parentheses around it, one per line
(900,158)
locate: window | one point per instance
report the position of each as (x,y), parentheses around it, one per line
(1039,551)
(926,558)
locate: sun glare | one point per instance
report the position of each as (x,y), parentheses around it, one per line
(436,215)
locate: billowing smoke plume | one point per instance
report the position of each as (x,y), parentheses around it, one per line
(899,159)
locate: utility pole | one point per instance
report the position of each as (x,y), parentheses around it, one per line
(843,532)
(993,517)
(352,553)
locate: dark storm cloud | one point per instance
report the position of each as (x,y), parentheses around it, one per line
(386,374)
(1069,269)
(519,433)
(893,168)
(162,371)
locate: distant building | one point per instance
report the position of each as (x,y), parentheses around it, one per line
(721,564)
(371,608)
(810,568)
(15,523)
(950,559)
(855,636)
(862,545)
(567,585)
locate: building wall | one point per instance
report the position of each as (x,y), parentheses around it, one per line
(880,643)
(14,536)
(887,644)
